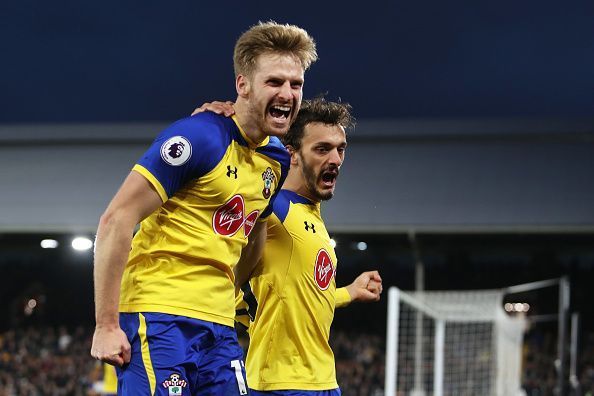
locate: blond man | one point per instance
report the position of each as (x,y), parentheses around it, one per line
(164,300)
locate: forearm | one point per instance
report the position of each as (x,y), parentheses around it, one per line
(246,264)
(250,255)
(114,238)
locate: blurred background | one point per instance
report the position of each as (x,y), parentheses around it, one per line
(471,166)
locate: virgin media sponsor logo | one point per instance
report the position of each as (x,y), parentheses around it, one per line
(323,270)
(229,218)
(250,221)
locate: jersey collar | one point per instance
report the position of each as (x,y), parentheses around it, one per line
(249,141)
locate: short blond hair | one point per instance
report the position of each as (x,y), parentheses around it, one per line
(272,38)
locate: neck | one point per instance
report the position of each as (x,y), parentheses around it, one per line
(295,182)
(247,122)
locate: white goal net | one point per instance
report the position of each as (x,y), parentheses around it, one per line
(452,343)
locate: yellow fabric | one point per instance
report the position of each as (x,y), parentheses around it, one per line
(110,379)
(289,338)
(343,298)
(178,264)
(152,179)
(241,308)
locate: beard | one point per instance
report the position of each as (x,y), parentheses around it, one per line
(311,182)
(260,114)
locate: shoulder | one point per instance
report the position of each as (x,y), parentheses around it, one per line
(283,201)
(205,128)
(280,206)
(198,142)
(275,150)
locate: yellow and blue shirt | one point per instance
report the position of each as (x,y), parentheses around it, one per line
(214,183)
(290,301)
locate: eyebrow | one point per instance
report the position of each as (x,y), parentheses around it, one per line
(326,143)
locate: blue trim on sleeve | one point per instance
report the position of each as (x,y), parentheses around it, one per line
(296,198)
(281,204)
(209,135)
(283,201)
(275,150)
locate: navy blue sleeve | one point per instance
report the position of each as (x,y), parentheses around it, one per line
(280,206)
(186,150)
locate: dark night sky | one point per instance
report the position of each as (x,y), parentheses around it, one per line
(67,61)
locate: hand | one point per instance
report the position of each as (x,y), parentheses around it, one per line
(223,108)
(375,287)
(111,346)
(366,287)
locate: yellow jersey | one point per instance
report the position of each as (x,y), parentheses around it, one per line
(215,184)
(290,301)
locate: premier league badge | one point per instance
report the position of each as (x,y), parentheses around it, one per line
(176,151)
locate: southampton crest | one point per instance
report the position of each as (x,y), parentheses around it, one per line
(268,178)
(174,384)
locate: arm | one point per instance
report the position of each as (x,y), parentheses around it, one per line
(250,254)
(367,287)
(134,201)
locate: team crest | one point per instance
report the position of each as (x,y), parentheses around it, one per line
(268,178)
(176,151)
(175,384)
(323,270)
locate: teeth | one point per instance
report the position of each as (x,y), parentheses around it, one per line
(282,108)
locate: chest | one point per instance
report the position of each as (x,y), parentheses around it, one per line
(313,254)
(243,173)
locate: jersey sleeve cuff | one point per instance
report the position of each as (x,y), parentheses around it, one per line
(343,297)
(153,180)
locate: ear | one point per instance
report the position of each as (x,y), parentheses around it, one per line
(242,85)
(294,155)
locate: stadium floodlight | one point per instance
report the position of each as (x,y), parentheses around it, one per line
(82,243)
(333,242)
(362,246)
(49,244)
(517,307)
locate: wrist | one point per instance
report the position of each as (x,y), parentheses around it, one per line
(107,324)
(352,290)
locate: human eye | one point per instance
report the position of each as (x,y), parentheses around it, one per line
(274,82)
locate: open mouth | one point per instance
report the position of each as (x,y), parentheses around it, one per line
(329,177)
(279,111)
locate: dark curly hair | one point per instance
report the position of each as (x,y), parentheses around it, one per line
(318,110)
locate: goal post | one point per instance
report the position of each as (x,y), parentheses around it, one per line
(452,343)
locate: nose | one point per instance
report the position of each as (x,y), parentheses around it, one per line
(285,90)
(335,158)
